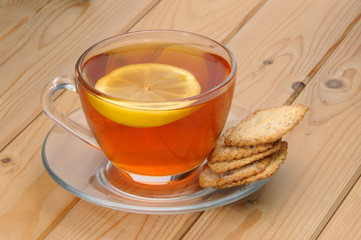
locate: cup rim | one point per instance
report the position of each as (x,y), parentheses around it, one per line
(97,93)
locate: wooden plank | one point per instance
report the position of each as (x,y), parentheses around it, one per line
(156,227)
(14,13)
(165,226)
(233,211)
(60,31)
(281,45)
(48,44)
(211,18)
(30,201)
(322,164)
(346,223)
(85,208)
(101,223)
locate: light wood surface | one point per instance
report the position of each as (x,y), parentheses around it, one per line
(345,224)
(288,52)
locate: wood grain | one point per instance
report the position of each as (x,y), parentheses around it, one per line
(321,167)
(101,223)
(209,18)
(48,44)
(15,12)
(278,44)
(166,226)
(256,214)
(346,223)
(30,201)
(282,43)
(248,219)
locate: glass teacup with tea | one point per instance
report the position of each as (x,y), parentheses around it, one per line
(155,101)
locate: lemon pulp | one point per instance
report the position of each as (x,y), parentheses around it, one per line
(150,86)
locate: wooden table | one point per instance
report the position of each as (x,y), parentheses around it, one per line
(288,52)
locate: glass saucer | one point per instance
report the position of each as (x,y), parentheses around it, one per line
(87,173)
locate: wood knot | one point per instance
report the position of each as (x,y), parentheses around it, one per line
(6,160)
(334,83)
(267,62)
(7,165)
(298,85)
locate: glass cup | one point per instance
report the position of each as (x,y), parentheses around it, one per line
(158,141)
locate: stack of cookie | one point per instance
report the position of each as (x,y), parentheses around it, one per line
(252,150)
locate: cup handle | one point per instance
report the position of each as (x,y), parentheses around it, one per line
(60,118)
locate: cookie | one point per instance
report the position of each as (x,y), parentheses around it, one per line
(208,178)
(224,166)
(275,163)
(223,152)
(265,126)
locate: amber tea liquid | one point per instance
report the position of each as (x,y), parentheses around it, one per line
(173,148)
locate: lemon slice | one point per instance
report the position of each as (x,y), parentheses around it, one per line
(149,85)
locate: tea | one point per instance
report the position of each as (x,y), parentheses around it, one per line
(163,140)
